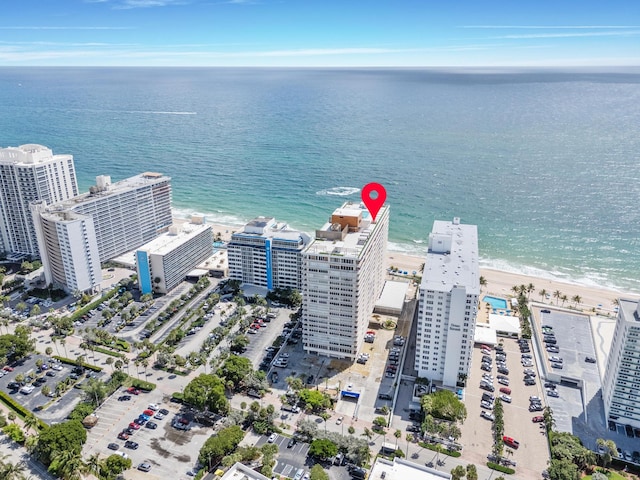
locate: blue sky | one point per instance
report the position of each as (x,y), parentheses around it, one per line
(320,33)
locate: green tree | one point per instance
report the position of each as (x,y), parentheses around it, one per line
(444,404)
(472,472)
(114,465)
(207,392)
(220,444)
(318,473)
(14,432)
(608,449)
(563,470)
(235,369)
(65,436)
(314,399)
(323,448)
(30,423)
(397,434)
(12,471)
(458,472)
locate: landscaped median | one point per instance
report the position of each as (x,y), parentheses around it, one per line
(500,468)
(21,411)
(436,447)
(69,361)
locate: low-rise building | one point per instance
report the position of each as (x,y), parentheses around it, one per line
(240,471)
(399,469)
(164,263)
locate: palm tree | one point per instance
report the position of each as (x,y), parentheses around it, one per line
(93,464)
(367,433)
(30,422)
(397,434)
(12,471)
(109,361)
(48,351)
(409,439)
(118,364)
(557,294)
(483,281)
(564,298)
(530,288)
(542,293)
(63,342)
(515,289)
(576,299)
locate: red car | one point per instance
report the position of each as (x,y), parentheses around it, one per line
(123,436)
(510,442)
(133,390)
(134,425)
(506,390)
(7,368)
(149,412)
(538,419)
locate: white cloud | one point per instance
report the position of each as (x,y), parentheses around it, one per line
(570,35)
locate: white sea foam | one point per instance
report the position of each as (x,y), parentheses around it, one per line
(217,217)
(339,191)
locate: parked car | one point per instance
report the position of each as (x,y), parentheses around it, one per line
(505,398)
(510,442)
(131,444)
(272,438)
(505,390)
(537,419)
(113,446)
(487,405)
(553,393)
(487,415)
(144,467)
(590,360)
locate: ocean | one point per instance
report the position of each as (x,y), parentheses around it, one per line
(545,162)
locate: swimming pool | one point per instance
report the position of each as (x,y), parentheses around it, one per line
(495,302)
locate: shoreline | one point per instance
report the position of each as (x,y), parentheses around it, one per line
(594,299)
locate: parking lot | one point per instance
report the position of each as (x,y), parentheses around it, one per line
(477,437)
(169,451)
(58,408)
(579,408)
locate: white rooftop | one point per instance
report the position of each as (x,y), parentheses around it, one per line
(403,470)
(485,334)
(30,153)
(452,258)
(176,236)
(393,295)
(241,472)
(504,323)
(107,188)
(268,227)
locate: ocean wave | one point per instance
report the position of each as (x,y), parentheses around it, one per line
(339,191)
(163,113)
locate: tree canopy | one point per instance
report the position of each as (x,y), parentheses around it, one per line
(16,347)
(444,404)
(66,436)
(206,391)
(318,473)
(323,449)
(220,444)
(314,399)
(235,369)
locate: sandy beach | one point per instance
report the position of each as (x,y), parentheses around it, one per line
(499,283)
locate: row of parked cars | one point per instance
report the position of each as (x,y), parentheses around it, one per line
(153,411)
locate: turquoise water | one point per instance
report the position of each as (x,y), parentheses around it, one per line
(495,302)
(544,162)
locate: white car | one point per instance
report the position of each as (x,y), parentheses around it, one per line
(505,398)
(153,406)
(553,393)
(56,366)
(27,389)
(272,438)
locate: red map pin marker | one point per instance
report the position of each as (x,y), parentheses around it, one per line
(373,204)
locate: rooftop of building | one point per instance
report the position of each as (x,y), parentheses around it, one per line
(176,236)
(399,469)
(344,239)
(452,258)
(241,472)
(629,310)
(105,188)
(28,154)
(268,227)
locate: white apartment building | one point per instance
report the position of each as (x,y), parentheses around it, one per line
(268,254)
(622,375)
(343,273)
(448,303)
(124,215)
(164,263)
(30,173)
